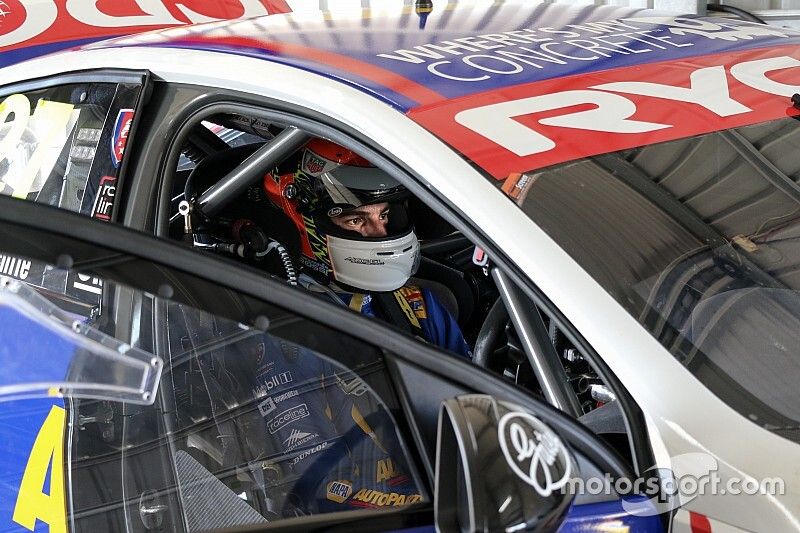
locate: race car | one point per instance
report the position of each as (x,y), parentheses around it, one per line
(606,203)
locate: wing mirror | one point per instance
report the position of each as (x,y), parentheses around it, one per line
(499,468)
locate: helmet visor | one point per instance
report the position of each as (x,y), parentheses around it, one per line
(349,186)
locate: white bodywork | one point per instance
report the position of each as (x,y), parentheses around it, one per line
(682,415)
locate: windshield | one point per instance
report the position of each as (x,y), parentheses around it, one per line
(699,239)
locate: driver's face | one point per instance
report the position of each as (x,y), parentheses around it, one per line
(368,220)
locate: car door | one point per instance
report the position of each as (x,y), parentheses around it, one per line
(205,135)
(192,459)
(218,122)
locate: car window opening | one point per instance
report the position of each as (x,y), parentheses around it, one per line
(282,206)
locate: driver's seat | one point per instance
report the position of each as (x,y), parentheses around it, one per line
(442,292)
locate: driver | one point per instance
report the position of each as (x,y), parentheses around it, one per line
(356,240)
(327,441)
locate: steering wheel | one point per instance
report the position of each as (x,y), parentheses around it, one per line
(487,352)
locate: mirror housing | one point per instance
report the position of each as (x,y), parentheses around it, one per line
(499,468)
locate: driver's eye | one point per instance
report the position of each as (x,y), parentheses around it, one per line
(354,222)
(385,215)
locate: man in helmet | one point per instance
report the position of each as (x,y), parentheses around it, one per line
(357,242)
(328,442)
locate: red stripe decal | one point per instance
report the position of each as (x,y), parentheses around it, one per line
(395,82)
(277,6)
(699,523)
(531,126)
(109,18)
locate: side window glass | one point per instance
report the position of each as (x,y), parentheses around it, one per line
(249,425)
(279,428)
(64,145)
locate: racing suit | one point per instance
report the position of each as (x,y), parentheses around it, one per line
(313,434)
(335,445)
(435,323)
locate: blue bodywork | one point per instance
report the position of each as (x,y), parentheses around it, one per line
(593,518)
(411,67)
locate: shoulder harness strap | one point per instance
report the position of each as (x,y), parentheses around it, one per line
(394,308)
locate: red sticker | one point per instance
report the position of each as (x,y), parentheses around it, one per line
(530,126)
(479,257)
(122,128)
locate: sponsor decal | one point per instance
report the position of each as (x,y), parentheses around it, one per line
(258,351)
(15,267)
(335,211)
(267,406)
(386,470)
(104,200)
(415,300)
(5,9)
(539,124)
(364,261)
(264,368)
(285,396)
(314,265)
(313,165)
(51,22)
(290,351)
(534,452)
(37,499)
(354,387)
(119,139)
(298,438)
(516,187)
(516,56)
(376,498)
(338,491)
(254,124)
(274,381)
(86,283)
(307,453)
(284,418)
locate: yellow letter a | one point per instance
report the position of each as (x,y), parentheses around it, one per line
(47,451)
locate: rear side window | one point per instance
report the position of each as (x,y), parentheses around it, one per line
(64,145)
